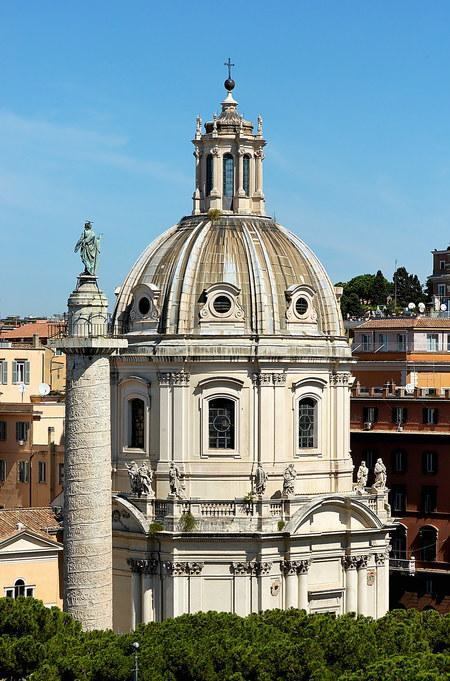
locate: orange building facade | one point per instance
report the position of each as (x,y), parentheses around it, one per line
(401,412)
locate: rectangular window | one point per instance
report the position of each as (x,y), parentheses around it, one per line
(3,430)
(22,428)
(3,371)
(442,264)
(429,463)
(401,342)
(23,471)
(430,416)
(29,591)
(399,415)
(369,457)
(399,461)
(382,342)
(61,473)
(448,342)
(441,290)
(429,499)
(9,593)
(366,342)
(21,371)
(2,470)
(398,498)
(370,414)
(42,471)
(432,342)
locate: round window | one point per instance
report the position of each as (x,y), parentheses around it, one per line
(144,305)
(301,306)
(222,304)
(221,423)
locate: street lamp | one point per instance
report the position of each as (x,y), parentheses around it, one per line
(136,663)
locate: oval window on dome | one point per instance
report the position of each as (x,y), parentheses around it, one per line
(222,304)
(301,306)
(144,305)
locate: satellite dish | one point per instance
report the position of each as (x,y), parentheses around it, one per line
(443,307)
(44,389)
(421,307)
(22,387)
(411,306)
(409,388)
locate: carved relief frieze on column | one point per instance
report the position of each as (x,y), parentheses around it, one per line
(183,568)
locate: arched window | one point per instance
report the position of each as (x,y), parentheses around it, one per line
(246,175)
(209,174)
(398,542)
(228,181)
(221,421)
(19,588)
(137,423)
(428,542)
(307,426)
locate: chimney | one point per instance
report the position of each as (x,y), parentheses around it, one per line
(36,342)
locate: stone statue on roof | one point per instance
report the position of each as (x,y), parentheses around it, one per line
(89,246)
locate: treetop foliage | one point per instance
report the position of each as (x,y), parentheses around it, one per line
(43,644)
(368,291)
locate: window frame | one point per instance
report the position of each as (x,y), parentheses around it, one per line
(434,458)
(25,427)
(433,412)
(312,387)
(3,371)
(399,456)
(399,411)
(42,472)
(233,436)
(367,411)
(230,388)
(314,436)
(432,342)
(130,445)
(246,174)
(399,490)
(3,431)
(428,499)
(3,470)
(424,546)
(23,471)
(134,387)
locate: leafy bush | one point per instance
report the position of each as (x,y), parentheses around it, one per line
(43,644)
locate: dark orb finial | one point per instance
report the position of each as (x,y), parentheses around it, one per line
(229,83)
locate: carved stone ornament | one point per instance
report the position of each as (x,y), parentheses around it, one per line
(350,562)
(362,562)
(229,309)
(145,305)
(215,151)
(380,559)
(289,567)
(183,568)
(303,566)
(174,378)
(148,566)
(259,153)
(260,567)
(300,305)
(240,568)
(140,479)
(339,378)
(269,378)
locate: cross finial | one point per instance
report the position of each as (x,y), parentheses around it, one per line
(229,65)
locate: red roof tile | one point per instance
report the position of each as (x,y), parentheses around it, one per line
(38,520)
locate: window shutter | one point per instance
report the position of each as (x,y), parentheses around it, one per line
(425,415)
(436,416)
(14,380)
(27,372)
(18,433)
(4,376)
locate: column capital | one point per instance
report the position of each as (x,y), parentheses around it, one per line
(174,378)
(362,561)
(240,568)
(260,567)
(349,562)
(303,566)
(380,559)
(184,568)
(269,378)
(289,567)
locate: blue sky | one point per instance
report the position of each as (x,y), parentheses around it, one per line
(97,109)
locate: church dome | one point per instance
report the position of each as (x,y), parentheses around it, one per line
(233,275)
(228,269)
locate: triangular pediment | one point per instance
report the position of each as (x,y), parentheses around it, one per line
(27,542)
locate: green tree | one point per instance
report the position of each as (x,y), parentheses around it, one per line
(380,289)
(408,288)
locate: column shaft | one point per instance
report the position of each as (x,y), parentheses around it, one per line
(362,590)
(303,601)
(147,597)
(87,492)
(351,590)
(135,599)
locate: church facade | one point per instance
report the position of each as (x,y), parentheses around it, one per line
(230,414)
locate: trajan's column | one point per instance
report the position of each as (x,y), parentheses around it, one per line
(87,458)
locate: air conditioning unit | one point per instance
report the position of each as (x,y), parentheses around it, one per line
(368,425)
